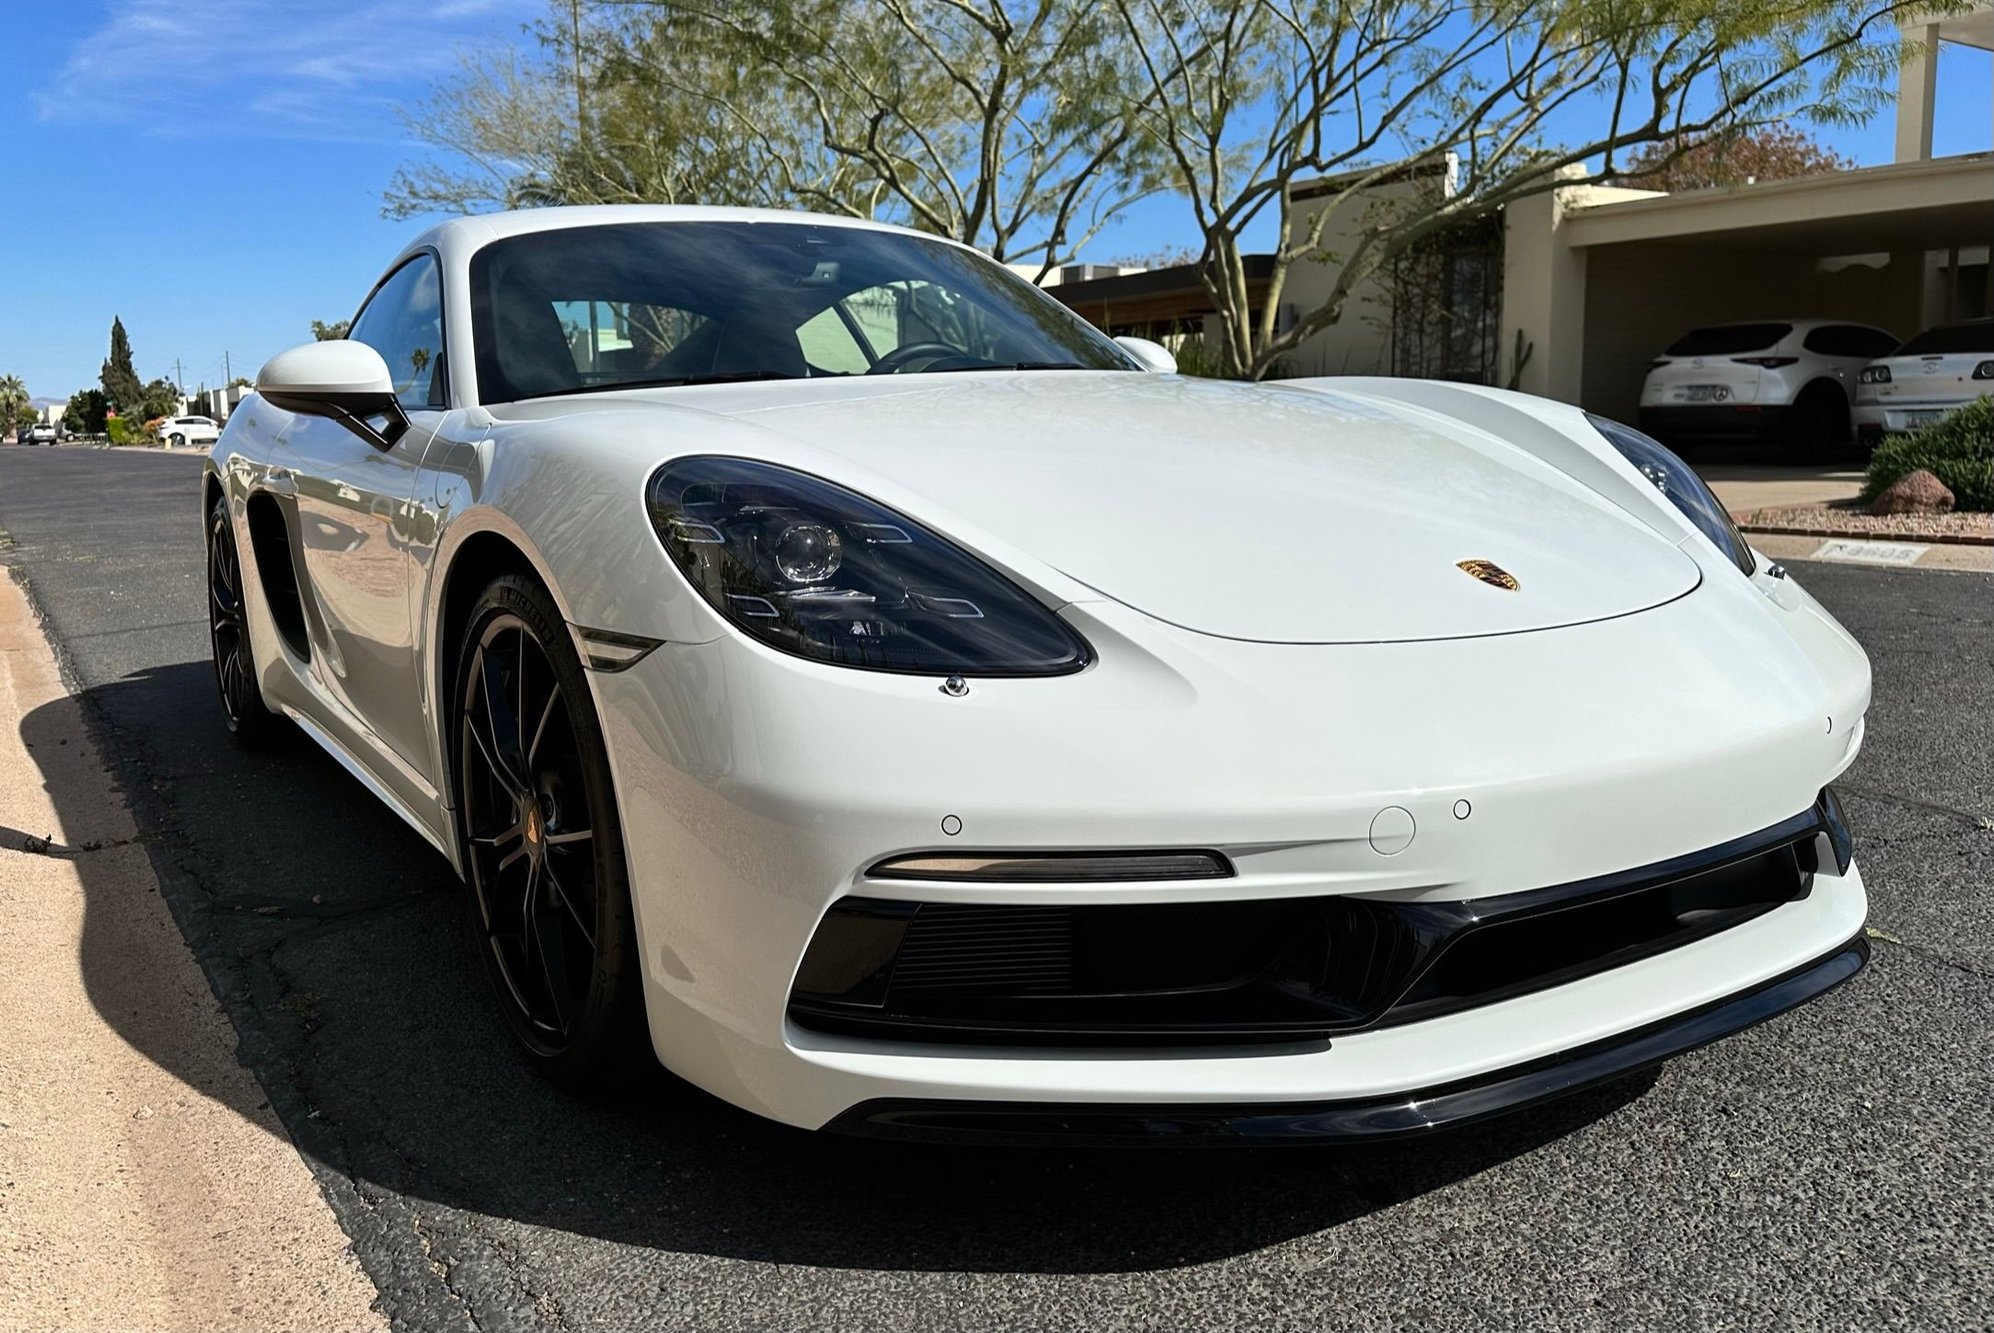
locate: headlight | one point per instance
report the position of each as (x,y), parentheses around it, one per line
(1684,489)
(814,569)
(1873,375)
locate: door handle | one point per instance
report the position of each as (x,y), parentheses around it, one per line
(280,480)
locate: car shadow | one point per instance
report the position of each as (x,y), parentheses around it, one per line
(335,938)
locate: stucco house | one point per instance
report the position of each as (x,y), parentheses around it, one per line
(1572,292)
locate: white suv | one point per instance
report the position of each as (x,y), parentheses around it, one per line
(1940,369)
(1789,381)
(177,431)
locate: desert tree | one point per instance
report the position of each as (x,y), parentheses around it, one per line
(1776,152)
(608,106)
(1467,106)
(123,389)
(1005,124)
(16,408)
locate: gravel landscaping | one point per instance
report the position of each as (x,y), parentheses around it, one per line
(1831,521)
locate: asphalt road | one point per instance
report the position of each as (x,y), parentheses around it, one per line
(1831,1169)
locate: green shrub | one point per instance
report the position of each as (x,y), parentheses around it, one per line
(1958,449)
(125,431)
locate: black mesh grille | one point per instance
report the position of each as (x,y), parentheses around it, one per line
(1261,969)
(967,948)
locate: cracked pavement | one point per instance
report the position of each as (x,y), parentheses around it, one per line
(1831,1169)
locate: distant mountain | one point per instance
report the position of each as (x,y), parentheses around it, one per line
(49,402)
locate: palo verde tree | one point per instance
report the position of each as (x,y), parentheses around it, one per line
(1005,124)
(1490,102)
(594,112)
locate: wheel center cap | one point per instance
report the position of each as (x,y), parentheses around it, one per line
(533,829)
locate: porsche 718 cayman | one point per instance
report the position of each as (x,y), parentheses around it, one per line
(834,665)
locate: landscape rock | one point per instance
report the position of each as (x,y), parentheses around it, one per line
(1914,493)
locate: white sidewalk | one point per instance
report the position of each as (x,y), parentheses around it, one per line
(144,1183)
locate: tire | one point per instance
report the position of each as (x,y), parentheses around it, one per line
(1819,425)
(542,845)
(176,441)
(249,722)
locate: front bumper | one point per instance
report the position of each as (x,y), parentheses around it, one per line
(756,790)
(1397,1115)
(1874,420)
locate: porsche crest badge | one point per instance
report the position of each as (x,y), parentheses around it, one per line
(1490,573)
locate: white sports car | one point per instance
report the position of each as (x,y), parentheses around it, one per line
(832,663)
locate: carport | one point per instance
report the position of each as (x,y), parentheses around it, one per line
(1599,281)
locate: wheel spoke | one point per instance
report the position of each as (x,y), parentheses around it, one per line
(540,728)
(571,835)
(498,839)
(498,753)
(561,892)
(553,972)
(519,701)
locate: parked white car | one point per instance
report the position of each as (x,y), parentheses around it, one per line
(178,431)
(837,667)
(1787,381)
(1941,369)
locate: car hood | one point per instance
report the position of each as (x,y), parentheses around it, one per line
(1247,511)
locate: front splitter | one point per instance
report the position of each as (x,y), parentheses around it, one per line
(1502,1091)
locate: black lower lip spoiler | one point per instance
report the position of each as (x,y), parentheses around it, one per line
(1503,1090)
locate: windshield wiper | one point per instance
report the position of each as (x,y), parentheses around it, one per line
(668,382)
(1025,365)
(719,377)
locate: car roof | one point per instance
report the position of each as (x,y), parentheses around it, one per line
(1799,325)
(459,236)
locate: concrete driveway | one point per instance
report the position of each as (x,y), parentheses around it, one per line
(1744,487)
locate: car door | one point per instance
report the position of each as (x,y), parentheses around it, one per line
(359,528)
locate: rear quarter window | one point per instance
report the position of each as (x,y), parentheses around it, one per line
(1849,340)
(1973,336)
(1729,340)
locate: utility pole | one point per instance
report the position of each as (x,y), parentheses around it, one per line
(179,377)
(228,376)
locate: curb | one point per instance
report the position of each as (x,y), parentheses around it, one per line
(1919,538)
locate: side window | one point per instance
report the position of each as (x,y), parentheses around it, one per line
(1874,343)
(615,341)
(899,314)
(1850,340)
(403,321)
(828,345)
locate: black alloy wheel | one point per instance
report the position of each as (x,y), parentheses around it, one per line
(228,632)
(543,851)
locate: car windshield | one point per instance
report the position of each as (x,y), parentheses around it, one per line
(1973,336)
(671,303)
(1728,340)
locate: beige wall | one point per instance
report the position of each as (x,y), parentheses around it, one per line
(1544,286)
(1642,296)
(1359,343)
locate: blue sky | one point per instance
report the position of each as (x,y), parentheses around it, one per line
(210,170)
